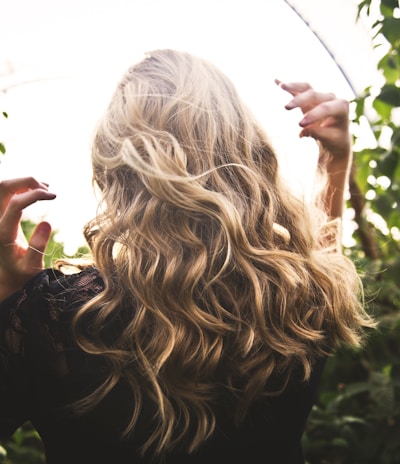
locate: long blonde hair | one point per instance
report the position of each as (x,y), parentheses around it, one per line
(215,272)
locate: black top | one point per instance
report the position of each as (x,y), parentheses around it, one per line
(42,370)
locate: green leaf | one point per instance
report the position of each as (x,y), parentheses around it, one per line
(394,221)
(364,4)
(360,108)
(390,94)
(391,30)
(361,175)
(5,114)
(387,371)
(2,149)
(384,110)
(388,163)
(391,4)
(396,137)
(387,12)
(390,66)
(396,176)
(19,436)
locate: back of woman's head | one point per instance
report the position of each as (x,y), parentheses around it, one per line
(176,145)
(214,272)
(175,118)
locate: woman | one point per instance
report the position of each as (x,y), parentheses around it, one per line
(200,330)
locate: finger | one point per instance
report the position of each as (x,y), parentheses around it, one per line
(334,140)
(309,99)
(20,183)
(320,133)
(34,257)
(333,112)
(9,223)
(293,88)
(10,187)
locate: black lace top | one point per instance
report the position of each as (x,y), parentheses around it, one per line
(42,371)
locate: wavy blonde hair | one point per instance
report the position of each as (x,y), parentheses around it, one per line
(215,273)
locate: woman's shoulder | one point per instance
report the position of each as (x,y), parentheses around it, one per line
(48,294)
(39,315)
(66,281)
(53,281)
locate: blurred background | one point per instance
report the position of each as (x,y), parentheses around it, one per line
(61,59)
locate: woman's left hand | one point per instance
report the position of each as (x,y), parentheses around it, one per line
(20,260)
(325,118)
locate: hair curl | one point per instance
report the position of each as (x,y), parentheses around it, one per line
(216,272)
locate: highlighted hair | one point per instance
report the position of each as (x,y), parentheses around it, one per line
(215,274)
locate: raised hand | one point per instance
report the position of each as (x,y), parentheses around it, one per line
(325,117)
(19,259)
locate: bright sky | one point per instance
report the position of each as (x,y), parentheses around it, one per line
(60,61)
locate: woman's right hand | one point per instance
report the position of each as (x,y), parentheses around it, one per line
(19,259)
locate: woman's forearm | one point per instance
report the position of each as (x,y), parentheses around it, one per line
(337,180)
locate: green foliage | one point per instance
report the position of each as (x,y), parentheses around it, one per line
(357,416)
(55,249)
(24,447)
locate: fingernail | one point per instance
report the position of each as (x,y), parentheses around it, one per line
(290,106)
(44,228)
